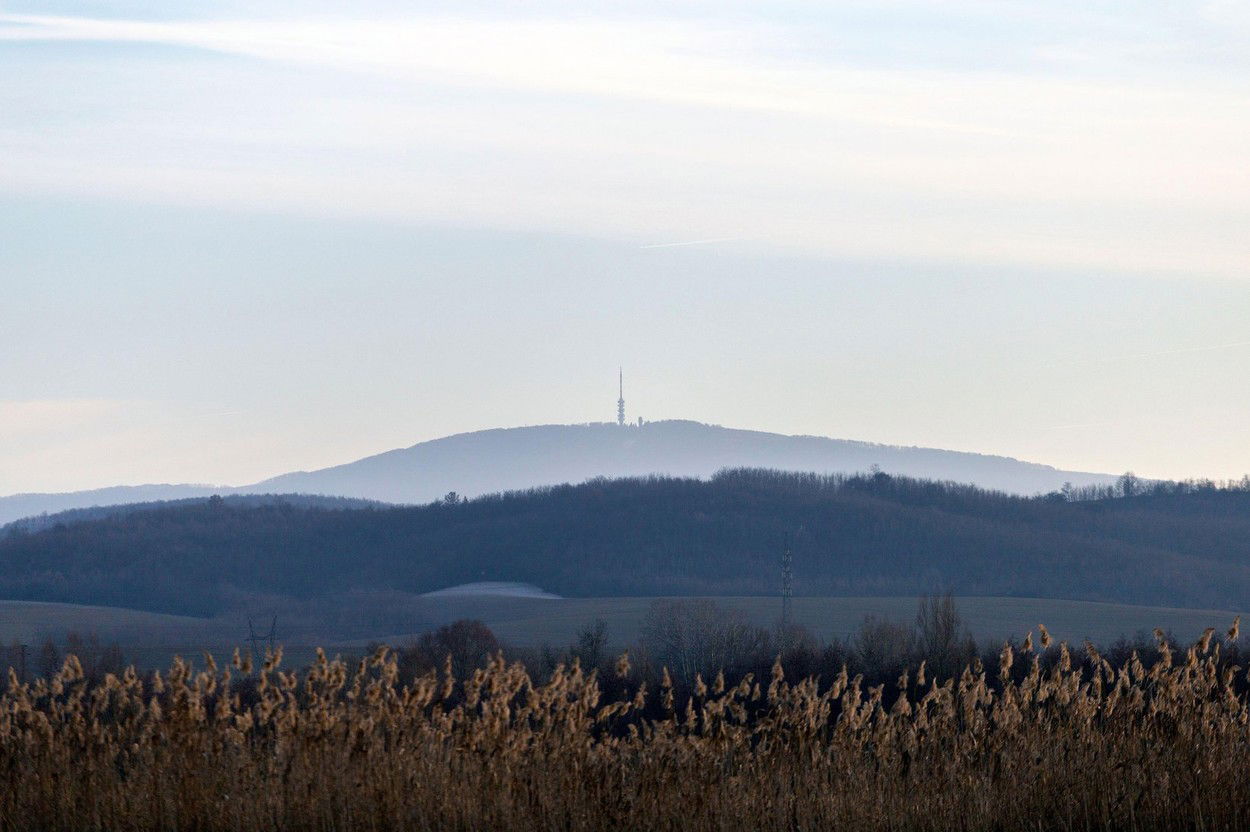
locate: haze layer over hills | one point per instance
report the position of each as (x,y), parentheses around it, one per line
(506,459)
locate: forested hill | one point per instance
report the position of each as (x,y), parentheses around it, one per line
(862,535)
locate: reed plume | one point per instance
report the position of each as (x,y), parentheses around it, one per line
(1069,743)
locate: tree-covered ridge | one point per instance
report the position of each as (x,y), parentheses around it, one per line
(1168,544)
(39,522)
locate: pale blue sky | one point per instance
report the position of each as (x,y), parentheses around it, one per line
(238,238)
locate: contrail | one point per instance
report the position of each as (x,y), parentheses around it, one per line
(691,242)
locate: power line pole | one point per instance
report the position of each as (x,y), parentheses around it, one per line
(257,638)
(251,638)
(787,588)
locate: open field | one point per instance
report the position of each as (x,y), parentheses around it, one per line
(525,621)
(152,639)
(30,622)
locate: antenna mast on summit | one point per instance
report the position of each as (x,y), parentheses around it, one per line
(620,402)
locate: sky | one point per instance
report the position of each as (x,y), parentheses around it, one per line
(239,239)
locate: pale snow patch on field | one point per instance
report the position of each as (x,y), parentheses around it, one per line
(492,588)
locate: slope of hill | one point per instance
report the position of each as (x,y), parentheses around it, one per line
(864,535)
(34,504)
(507,459)
(489,461)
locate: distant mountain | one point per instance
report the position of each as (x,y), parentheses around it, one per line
(505,459)
(39,522)
(20,506)
(867,535)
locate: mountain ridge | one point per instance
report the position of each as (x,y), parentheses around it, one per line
(505,459)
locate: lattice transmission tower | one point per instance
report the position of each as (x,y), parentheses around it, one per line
(620,402)
(257,639)
(787,587)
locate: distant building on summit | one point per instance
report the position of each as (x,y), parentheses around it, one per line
(620,402)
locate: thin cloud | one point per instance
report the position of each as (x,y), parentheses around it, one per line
(724,66)
(836,154)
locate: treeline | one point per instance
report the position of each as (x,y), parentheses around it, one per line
(46,658)
(684,644)
(687,642)
(39,522)
(1131,485)
(873,534)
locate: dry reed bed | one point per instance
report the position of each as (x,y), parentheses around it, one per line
(1079,746)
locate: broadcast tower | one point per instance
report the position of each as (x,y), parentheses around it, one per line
(620,403)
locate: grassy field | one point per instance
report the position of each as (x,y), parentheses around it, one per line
(152,639)
(30,622)
(525,621)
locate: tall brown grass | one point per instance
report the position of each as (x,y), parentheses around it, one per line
(1080,745)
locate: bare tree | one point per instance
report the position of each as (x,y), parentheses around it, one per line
(883,648)
(942,638)
(49,661)
(468,641)
(591,643)
(700,636)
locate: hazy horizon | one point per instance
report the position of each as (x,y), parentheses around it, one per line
(245,239)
